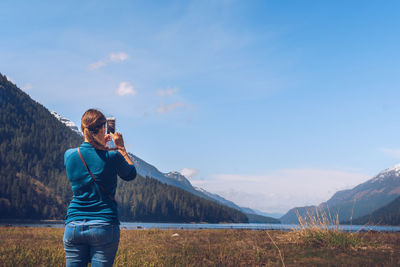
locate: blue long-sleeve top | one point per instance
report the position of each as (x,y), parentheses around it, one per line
(89,202)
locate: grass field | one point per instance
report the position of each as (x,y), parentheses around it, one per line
(25,246)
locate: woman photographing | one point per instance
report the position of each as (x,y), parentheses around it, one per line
(92,222)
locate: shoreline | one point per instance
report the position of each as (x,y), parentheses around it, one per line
(201,226)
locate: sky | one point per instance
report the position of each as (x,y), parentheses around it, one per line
(271,104)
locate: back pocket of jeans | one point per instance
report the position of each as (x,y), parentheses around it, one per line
(69,233)
(101,234)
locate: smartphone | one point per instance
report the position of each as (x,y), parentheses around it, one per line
(110,125)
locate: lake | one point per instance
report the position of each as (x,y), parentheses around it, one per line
(190,226)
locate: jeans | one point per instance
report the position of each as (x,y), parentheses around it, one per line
(86,242)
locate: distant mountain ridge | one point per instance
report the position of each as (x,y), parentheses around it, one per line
(387,215)
(358,201)
(177,179)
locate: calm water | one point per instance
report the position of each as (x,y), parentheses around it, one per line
(193,226)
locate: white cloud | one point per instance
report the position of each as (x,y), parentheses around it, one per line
(118,57)
(167,92)
(278,191)
(189,172)
(27,87)
(394,153)
(163,108)
(112,58)
(125,88)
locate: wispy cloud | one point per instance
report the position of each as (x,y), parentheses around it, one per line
(125,88)
(164,108)
(172,94)
(112,58)
(394,153)
(281,190)
(167,92)
(97,65)
(189,172)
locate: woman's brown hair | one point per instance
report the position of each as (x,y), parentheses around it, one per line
(92,121)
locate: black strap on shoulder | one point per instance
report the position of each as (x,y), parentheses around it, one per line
(91,175)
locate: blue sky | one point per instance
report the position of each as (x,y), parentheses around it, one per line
(271,104)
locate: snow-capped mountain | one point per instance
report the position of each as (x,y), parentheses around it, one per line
(359,201)
(389,172)
(177,179)
(67,122)
(172,178)
(223,200)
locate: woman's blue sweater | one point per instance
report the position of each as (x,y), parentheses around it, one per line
(89,202)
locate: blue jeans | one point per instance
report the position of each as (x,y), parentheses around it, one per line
(86,242)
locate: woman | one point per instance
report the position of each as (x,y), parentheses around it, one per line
(92,222)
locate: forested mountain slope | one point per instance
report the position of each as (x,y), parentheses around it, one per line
(387,215)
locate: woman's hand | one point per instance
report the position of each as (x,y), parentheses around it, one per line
(118,140)
(107,138)
(119,144)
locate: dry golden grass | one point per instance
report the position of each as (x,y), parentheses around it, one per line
(43,247)
(319,229)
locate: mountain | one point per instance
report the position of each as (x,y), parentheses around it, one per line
(176,179)
(221,200)
(67,123)
(254,218)
(387,215)
(154,201)
(261,213)
(33,183)
(359,201)
(172,178)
